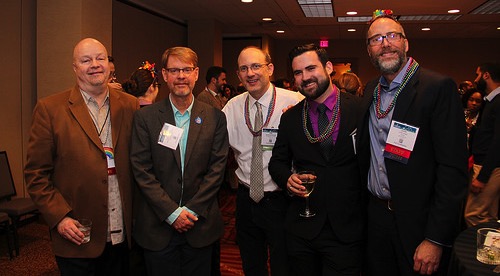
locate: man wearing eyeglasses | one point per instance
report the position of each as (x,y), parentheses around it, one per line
(416,159)
(252,120)
(178,153)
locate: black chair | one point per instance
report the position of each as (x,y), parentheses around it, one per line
(16,208)
(5,227)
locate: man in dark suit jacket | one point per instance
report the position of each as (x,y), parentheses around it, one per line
(178,154)
(78,167)
(483,199)
(331,241)
(417,169)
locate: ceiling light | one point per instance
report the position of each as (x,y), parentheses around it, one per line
(280,31)
(426,29)
(453,11)
(351,30)
(351,13)
(246,1)
(267,19)
(498,28)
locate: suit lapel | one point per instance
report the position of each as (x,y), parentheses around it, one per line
(116,115)
(167,116)
(79,110)
(405,98)
(195,125)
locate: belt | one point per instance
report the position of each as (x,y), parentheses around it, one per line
(386,202)
(247,189)
(111,171)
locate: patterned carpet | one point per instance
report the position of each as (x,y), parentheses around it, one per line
(36,257)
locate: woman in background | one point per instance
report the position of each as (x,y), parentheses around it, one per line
(472,101)
(350,83)
(143,84)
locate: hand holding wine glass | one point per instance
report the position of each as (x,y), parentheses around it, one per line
(302,184)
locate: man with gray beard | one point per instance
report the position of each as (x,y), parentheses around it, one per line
(414,156)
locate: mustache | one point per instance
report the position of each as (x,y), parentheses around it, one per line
(307,82)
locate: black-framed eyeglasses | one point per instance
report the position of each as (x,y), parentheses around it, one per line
(391,37)
(176,71)
(255,67)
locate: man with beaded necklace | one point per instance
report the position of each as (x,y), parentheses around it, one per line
(252,120)
(414,141)
(319,135)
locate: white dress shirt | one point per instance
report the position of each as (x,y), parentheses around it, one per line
(240,137)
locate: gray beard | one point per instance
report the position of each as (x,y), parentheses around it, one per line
(389,67)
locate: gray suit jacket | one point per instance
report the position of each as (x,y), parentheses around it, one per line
(157,171)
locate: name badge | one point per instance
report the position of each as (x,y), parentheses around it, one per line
(268,138)
(170,136)
(110,157)
(400,141)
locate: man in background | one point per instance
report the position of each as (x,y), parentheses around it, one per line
(78,167)
(482,203)
(213,92)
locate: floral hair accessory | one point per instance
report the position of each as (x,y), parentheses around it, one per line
(378,13)
(150,67)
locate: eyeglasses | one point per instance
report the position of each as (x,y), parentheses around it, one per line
(255,67)
(391,37)
(175,71)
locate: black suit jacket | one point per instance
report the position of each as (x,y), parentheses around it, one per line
(338,196)
(427,193)
(157,170)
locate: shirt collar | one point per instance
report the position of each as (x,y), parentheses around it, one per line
(397,80)
(211,92)
(264,100)
(329,102)
(88,98)
(177,112)
(492,94)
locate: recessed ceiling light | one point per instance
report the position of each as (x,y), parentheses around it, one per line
(351,13)
(426,29)
(280,31)
(246,1)
(351,30)
(267,19)
(453,11)
(498,28)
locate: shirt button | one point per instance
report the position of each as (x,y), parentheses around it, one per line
(380,169)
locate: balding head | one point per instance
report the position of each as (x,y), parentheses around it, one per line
(90,63)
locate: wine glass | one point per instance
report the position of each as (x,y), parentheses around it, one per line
(308,180)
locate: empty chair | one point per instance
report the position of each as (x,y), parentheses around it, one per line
(16,208)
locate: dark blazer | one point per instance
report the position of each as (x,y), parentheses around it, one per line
(338,196)
(157,170)
(427,193)
(66,167)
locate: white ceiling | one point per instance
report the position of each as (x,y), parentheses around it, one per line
(245,19)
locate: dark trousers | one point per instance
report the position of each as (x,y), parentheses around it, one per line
(260,229)
(113,261)
(179,258)
(385,254)
(324,255)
